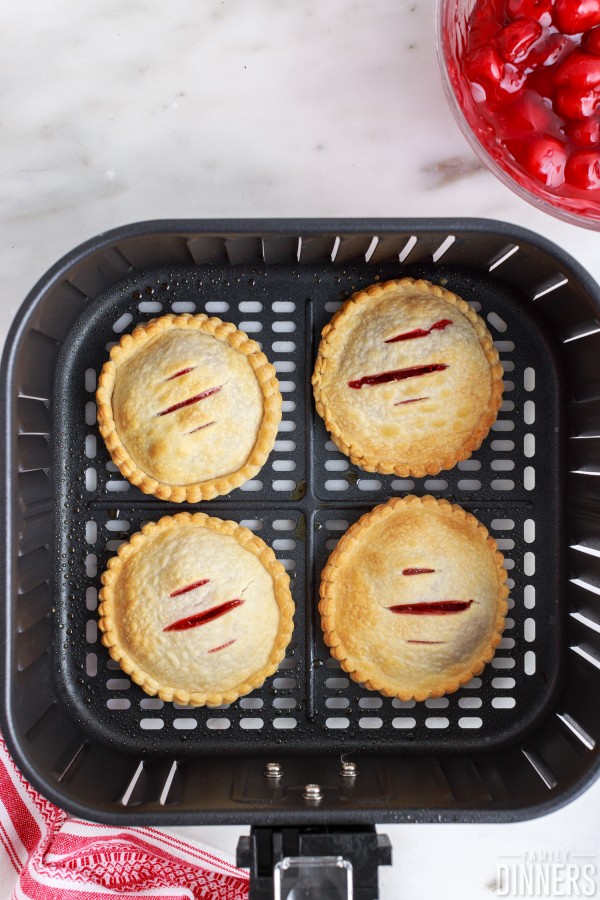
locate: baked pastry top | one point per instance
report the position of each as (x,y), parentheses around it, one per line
(196,609)
(407,378)
(413,598)
(188,407)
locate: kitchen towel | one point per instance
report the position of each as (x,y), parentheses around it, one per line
(47,855)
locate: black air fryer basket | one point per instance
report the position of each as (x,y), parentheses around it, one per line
(518,741)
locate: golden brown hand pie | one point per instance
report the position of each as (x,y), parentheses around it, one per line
(413,598)
(188,407)
(196,609)
(407,379)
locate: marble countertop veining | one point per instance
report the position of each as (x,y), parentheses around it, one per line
(114,111)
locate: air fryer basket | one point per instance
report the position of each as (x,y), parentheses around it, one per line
(518,741)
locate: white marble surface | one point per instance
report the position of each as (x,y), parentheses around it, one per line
(113,111)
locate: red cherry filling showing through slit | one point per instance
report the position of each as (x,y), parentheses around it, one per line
(431,608)
(190,401)
(528,82)
(418,571)
(426,642)
(189,587)
(411,400)
(202,618)
(420,332)
(180,373)
(200,427)
(396,375)
(223,646)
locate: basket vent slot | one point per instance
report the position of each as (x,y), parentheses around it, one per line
(443,248)
(132,784)
(218,723)
(90,380)
(497,322)
(150,306)
(185,724)
(337,722)
(577,730)
(122,322)
(548,288)
(408,248)
(151,703)
(505,254)
(118,703)
(168,784)
(152,724)
(545,773)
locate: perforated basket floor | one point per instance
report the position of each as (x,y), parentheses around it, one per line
(301,502)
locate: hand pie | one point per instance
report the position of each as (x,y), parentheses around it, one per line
(188,407)
(413,598)
(196,609)
(407,379)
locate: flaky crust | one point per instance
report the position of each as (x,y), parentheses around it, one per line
(348,617)
(366,446)
(264,373)
(112,592)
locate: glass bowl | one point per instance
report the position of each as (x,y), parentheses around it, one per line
(484,130)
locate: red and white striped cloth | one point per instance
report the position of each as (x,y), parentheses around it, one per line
(46,855)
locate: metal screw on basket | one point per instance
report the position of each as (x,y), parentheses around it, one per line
(349,770)
(312,792)
(273,770)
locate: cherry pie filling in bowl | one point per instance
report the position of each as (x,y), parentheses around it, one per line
(526,77)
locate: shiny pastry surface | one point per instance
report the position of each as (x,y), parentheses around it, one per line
(188,407)
(407,379)
(413,598)
(196,609)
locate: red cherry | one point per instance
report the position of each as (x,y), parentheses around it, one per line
(487,16)
(579,70)
(484,11)
(543,157)
(576,103)
(528,113)
(483,66)
(516,40)
(532,9)
(512,79)
(541,82)
(583,133)
(576,16)
(492,79)
(591,41)
(549,51)
(583,170)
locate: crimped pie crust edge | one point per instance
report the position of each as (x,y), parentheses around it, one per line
(355,668)
(249,542)
(265,375)
(328,347)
